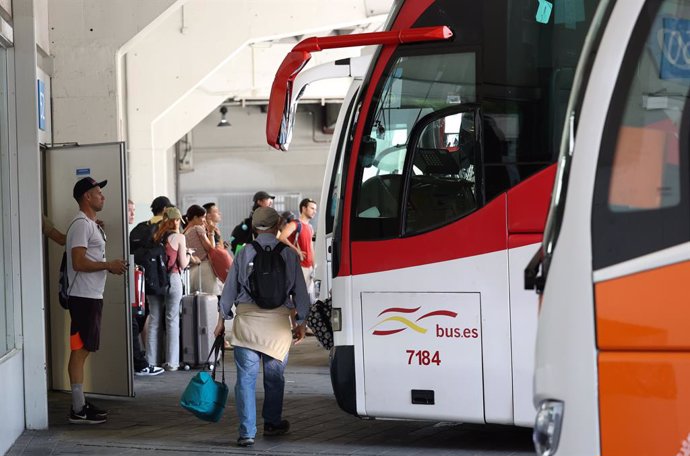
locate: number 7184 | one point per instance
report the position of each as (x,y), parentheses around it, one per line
(423,357)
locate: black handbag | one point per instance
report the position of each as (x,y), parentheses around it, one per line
(319,321)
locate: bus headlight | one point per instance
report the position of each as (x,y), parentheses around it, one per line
(547,427)
(336,319)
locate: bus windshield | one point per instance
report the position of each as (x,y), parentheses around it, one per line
(516,62)
(417,85)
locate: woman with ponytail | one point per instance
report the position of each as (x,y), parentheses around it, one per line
(166,309)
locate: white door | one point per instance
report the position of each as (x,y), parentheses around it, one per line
(109,371)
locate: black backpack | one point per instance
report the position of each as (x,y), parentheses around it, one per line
(63,283)
(152,258)
(141,236)
(268,280)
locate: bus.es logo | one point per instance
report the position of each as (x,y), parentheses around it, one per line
(404,317)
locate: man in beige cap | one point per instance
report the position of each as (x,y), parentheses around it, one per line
(261,332)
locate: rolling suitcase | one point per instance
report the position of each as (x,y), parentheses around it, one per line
(198,320)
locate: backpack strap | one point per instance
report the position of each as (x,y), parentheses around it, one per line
(257,248)
(164,241)
(278,247)
(76,273)
(297,233)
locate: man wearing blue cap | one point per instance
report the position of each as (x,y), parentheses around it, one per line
(86,270)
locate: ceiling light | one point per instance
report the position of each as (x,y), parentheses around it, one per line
(223,121)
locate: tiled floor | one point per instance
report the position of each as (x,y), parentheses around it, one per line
(153,424)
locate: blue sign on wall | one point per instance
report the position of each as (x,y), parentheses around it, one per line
(674,40)
(41,105)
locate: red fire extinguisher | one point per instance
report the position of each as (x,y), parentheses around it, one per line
(139,296)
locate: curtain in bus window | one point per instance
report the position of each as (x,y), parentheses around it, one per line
(638,180)
(645,173)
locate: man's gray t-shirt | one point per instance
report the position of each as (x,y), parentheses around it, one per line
(84,232)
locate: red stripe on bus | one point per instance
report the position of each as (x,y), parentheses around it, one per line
(381,332)
(521,240)
(482,232)
(445,313)
(399,309)
(528,202)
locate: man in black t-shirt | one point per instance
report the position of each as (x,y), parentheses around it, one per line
(243,233)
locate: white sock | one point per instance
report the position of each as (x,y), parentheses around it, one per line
(78,399)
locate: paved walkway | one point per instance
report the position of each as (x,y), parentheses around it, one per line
(153,424)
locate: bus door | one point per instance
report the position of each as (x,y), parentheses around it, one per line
(420,248)
(331,191)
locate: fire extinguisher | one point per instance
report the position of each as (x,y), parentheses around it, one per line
(139,296)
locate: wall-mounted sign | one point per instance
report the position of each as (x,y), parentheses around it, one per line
(41,105)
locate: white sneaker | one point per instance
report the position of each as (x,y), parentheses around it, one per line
(150,370)
(170,368)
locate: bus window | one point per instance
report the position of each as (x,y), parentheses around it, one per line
(414,86)
(443,184)
(334,192)
(641,190)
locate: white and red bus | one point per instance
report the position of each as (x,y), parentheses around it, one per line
(437,199)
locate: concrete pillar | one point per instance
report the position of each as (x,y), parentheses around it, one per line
(30,241)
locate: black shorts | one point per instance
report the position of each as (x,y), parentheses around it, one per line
(85,329)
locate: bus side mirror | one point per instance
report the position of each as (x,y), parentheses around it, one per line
(367,152)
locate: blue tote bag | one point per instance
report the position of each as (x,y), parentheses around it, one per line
(204,396)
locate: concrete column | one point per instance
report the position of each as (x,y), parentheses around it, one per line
(30,241)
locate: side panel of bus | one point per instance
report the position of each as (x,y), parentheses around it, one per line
(630,207)
(566,368)
(641,242)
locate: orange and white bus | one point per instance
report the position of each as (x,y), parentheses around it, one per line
(612,370)
(437,199)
